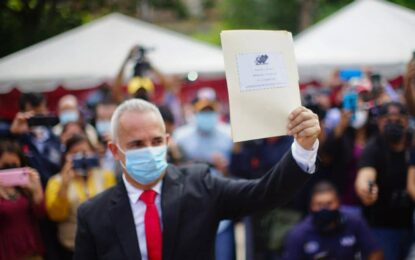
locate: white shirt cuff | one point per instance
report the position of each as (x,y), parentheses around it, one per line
(306,159)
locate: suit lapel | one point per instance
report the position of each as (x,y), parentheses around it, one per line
(122,217)
(171,196)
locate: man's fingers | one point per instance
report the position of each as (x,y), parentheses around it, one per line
(305,126)
(311,131)
(296,112)
(300,118)
(305,121)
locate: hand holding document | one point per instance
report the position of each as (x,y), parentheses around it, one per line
(262,80)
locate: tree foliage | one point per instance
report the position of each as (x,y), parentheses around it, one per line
(280,14)
(260,14)
(25,22)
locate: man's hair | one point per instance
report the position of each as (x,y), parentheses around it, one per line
(67,99)
(323,187)
(33,99)
(132,105)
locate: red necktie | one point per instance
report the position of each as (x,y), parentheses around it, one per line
(152,226)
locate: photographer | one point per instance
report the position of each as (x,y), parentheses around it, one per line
(40,145)
(102,120)
(343,148)
(68,111)
(382,179)
(20,205)
(80,178)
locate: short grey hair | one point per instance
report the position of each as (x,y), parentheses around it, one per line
(135,105)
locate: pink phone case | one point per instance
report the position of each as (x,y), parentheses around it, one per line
(14,177)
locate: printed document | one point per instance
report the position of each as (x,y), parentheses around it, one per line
(262,79)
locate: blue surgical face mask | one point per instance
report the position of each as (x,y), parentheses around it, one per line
(103,126)
(206,121)
(145,165)
(68,116)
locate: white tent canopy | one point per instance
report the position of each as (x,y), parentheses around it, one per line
(92,53)
(373,33)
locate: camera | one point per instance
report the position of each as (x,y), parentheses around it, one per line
(41,120)
(142,66)
(83,163)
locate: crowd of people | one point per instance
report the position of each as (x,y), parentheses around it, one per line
(359,203)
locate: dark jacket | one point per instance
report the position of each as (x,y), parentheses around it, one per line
(193,202)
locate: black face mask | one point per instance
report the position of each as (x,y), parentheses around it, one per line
(327,221)
(9,166)
(393,131)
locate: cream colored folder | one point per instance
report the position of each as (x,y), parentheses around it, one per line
(262,79)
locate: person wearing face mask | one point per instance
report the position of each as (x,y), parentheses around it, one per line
(20,208)
(80,178)
(329,232)
(208,140)
(103,113)
(205,131)
(342,150)
(382,180)
(68,111)
(160,211)
(43,152)
(40,145)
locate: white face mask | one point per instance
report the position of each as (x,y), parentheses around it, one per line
(360,120)
(145,165)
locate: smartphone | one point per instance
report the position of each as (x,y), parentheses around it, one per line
(47,121)
(350,103)
(85,162)
(347,74)
(377,87)
(14,177)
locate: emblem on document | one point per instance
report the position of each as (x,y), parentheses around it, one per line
(261,59)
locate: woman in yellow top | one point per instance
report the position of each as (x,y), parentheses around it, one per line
(80,179)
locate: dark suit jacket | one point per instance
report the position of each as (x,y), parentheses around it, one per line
(193,202)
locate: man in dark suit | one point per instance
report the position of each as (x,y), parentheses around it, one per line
(159,211)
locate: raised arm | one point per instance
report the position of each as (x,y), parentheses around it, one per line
(409,87)
(116,88)
(281,183)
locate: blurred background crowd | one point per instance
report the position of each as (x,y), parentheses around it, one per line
(359,203)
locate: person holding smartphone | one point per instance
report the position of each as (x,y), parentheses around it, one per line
(81,177)
(20,206)
(32,128)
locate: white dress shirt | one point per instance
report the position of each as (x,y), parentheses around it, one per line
(305,159)
(138,208)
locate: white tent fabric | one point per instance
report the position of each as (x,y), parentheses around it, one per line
(92,53)
(373,33)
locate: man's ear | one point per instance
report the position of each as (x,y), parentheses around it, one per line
(114,150)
